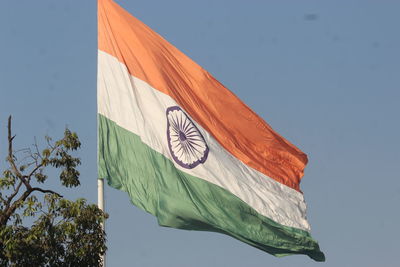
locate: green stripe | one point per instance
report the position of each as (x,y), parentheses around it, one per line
(180,200)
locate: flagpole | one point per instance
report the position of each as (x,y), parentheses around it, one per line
(100,204)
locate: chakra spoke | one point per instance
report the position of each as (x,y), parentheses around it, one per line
(186,125)
(193,146)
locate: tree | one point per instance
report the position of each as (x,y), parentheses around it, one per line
(38,226)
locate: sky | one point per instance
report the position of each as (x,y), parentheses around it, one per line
(324,74)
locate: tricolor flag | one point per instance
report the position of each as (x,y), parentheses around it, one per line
(187,150)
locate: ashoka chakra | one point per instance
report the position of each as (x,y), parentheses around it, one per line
(186,144)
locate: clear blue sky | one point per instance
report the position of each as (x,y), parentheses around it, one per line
(324,74)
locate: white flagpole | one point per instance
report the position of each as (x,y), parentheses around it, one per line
(100,204)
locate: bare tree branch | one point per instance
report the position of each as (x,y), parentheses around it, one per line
(10,139)
(33,171)
(11,156)
(46,191)
(10,198)
(37,149)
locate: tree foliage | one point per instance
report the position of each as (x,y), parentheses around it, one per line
(38,226)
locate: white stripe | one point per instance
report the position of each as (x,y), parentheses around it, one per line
(134,105)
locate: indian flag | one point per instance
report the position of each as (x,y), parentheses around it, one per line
(187,150)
